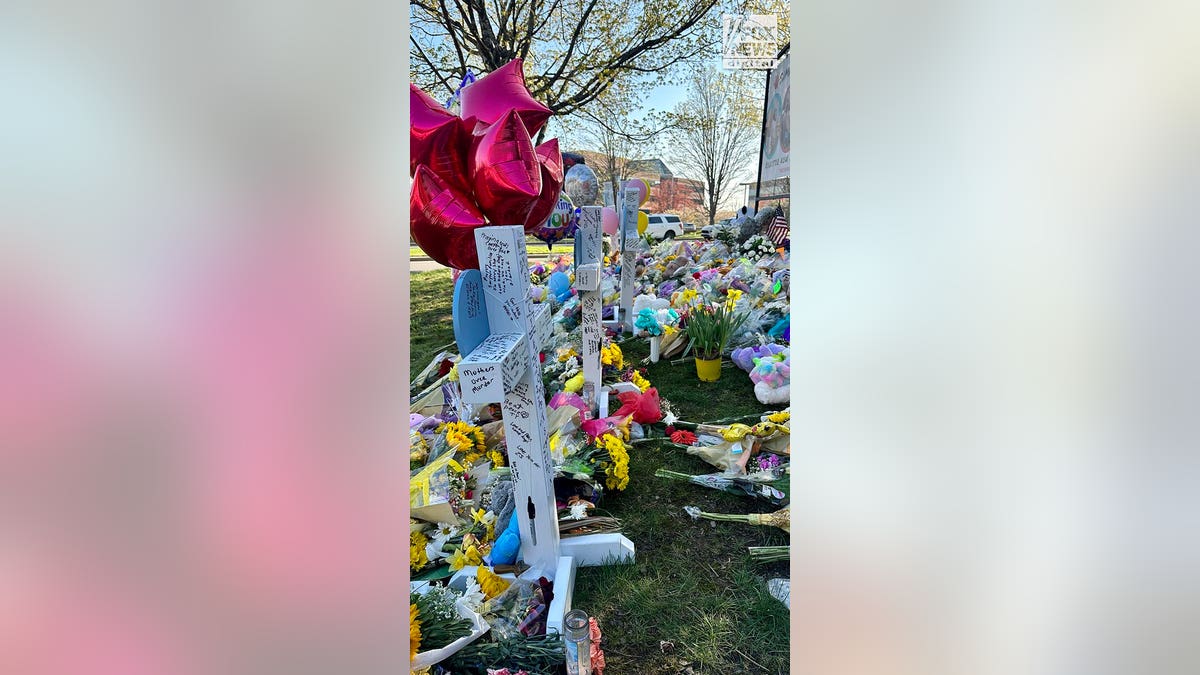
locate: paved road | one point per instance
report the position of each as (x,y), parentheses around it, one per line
(424,266)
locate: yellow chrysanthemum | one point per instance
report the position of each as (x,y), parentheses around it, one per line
(566,354)
(417,557)
(491,583)
(611,356)
(617,469)
(641,382)
(414,631)
(453,374)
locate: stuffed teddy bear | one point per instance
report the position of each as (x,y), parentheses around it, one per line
(771,376)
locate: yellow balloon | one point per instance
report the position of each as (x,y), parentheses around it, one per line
(643,222)
(646,194)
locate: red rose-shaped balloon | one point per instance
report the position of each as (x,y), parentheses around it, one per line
(443,221)
(552,178)
(506,171)
(490,97)
(440,140)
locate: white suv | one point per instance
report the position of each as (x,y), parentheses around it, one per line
(664,226)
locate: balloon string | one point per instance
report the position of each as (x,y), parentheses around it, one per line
(467,79)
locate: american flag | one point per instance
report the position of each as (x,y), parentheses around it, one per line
(778,230)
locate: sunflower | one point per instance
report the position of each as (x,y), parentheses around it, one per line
(414,631)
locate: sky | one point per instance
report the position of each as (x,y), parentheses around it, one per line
(665,97)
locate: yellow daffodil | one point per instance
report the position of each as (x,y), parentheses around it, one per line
(735,294)
(473,556)
(457,560)
(478,515)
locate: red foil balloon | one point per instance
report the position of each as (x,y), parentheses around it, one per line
(440,140)
(506,171)
(443,221)
(550,160)
(491,96)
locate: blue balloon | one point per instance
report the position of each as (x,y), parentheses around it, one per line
(560,285)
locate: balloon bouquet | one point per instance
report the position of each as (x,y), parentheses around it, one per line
(483,168)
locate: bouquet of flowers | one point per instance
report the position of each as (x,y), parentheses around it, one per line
(531,654)
(520,609)
(758,247)
(440,624)
(774,492)
(607,454)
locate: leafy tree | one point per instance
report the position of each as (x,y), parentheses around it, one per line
(716,132)
(574,50)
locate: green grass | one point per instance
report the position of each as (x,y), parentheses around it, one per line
(693,584)
(429,324)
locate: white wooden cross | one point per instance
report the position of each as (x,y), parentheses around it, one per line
(588,255)
(504,366)
(629,245)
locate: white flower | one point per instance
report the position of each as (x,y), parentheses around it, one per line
(472,595)
(669,418)
(438,538)
(692,511)
(578,511)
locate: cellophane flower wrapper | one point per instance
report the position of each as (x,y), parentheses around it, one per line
(644,407)
(428,658)
(506,613)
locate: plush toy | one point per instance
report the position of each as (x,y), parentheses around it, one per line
(676,266)
(745,357)
(771,376)
(648,300)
